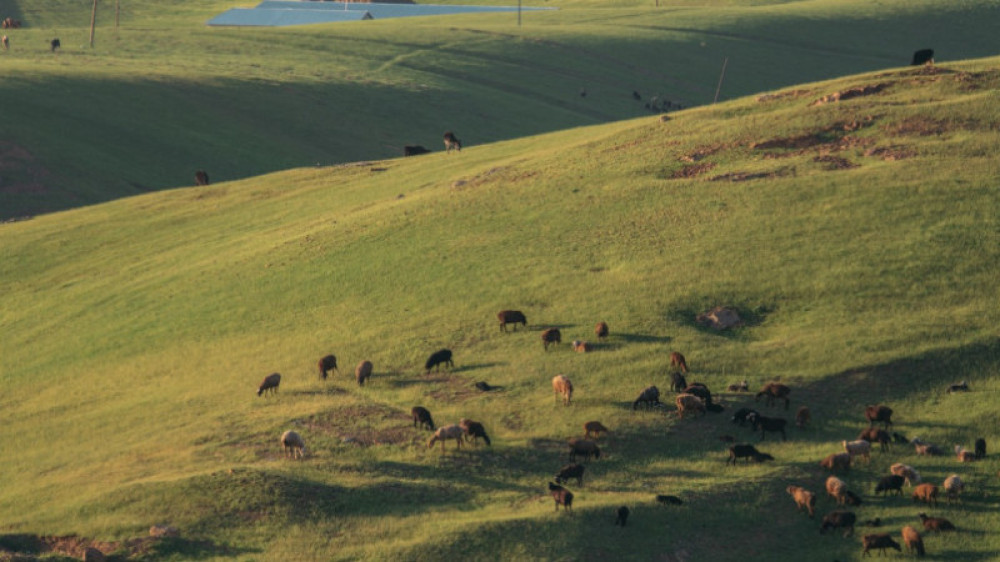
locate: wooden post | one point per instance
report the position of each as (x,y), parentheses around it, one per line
(118,11)
(721,76)
(93,23)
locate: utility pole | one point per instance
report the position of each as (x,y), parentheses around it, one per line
(93,23)
(721,76)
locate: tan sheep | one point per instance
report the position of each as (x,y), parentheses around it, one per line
(445,433)
(803,499)
(912,540)
(293,444)
(362,372)
(926,493)
(581,346)
(953,487)
(593,429)
(964,455)
(859,448)
(562,386)
(688,403)
(906,471)
(836,489)
(837,461)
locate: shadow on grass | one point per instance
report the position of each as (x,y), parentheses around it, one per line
(188,549)
(642,338)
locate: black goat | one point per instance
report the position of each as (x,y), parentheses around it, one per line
(747,452)
(438,358)
(422,416)
(622,516)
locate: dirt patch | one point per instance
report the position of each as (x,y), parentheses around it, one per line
(851,93)
(978,80)
(831,162)
(794,143)
(702,152)
(747,176)
(388,436)
(720,318)
(453,388)
(336,421)
(30,547)
(692,171)
(891,153)
(500,172)
(919,126)
(782,95)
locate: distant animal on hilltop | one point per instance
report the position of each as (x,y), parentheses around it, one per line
(438,358)
(269,384)
(922,56)
(201,177)
(514,317)
(451,142)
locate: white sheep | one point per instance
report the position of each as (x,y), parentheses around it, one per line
(836,489)
(906,471)
(953,487)
(293,444)
(445,433)
(859,448)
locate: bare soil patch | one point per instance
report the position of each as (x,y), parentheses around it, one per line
(891,153)
(919,126)
(692,171)
(832,162)
(851,93)
(747,176)
(702,151)
(782,95)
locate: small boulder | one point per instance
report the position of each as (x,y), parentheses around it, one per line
(164,531)
(720,318)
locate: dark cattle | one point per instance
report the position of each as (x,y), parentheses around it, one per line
(880,541)
(747,452)
(677,360)
(438,358)
(622,516)
(650,396)
(923,56)
(875,435)
(601,330)
(511,317)
(452,142)
(562,496)
(571,471)
(772,425)
(980,448)
(422,416)
(838,519)
(54,44)
(678,382)
(269,384)
(672,500)
(551,335)
(414,150)
(743,415)
(889,484)
(327,364)
(775,391)
(881,414)
(201,177)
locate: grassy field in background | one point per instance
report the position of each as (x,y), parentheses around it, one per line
(859,239)
(164,95)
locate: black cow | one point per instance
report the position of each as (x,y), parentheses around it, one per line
(923,56)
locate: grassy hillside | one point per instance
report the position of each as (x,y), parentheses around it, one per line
(859,240)
(163,95)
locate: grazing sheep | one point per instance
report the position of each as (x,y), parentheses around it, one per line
(859,448)
(873,435)
(562,386)
(677,382)
(964,455)
(327,364)
(601,330)
(879,413)
(678,361)
(551,336)
(688,403)
(743,415)
(900,438)
(445,433)
(452,142)
(293,444)
(928,449)
(414,150)
(672,500)
(802,416)
(774,391)
(891,483)
(836,489)
(474,430)
(593,429)
(880,541)
(511,317)
(980,448)
(837,461)
(269,384)
(906,471)
(926,493)
(571,471)
(581,346)
(958,387)
(741,386)
(935,523)
(55,44)
(877,522)
(912,540)
(701,391)
(362,372)
(622,516)
(583,447)
(201,178)
(650,396)
(772,425)
(422,416)
(747,452)
(562,496)
(438,358)
(836,519)
(953,487)
(803,499)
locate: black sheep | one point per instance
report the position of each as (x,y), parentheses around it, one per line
(438,358)
(838,519)
(414,150)
(881,414)
(672,500)
(744,415)
(562,496)
(747,452)
(571,471)
(980,448)
(474,430)
(888,484)
(773,425)
(622,516)
(327,364)
(552,335)
(514,317)
(678,382)
(880,541)
(422,416)
(452,142)
(650,396)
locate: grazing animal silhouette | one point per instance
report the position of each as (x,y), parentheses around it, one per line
(452,142)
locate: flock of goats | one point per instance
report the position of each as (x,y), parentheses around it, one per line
(696,398)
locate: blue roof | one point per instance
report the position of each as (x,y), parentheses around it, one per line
(300,12)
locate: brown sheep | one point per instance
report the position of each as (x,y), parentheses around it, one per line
(837,461)
(201,177)
(583,447)
(688,403)
(362,372)
(906,471)
(912,540)
(935,523)
(582,346)
(562,496)
(880,541)
(774,391)
(802,416)
(601,330)
(445,433)
(451,142)
(803,499)
(836,519)
(269,384)
(926,493)
(593,429)
(873,435)
(551,336)
(562,386)
(327,364)
(678,361)
(474,430)
(879,413)
(514,317)
(964,455)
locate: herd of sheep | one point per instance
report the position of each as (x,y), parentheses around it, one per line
(696,399)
